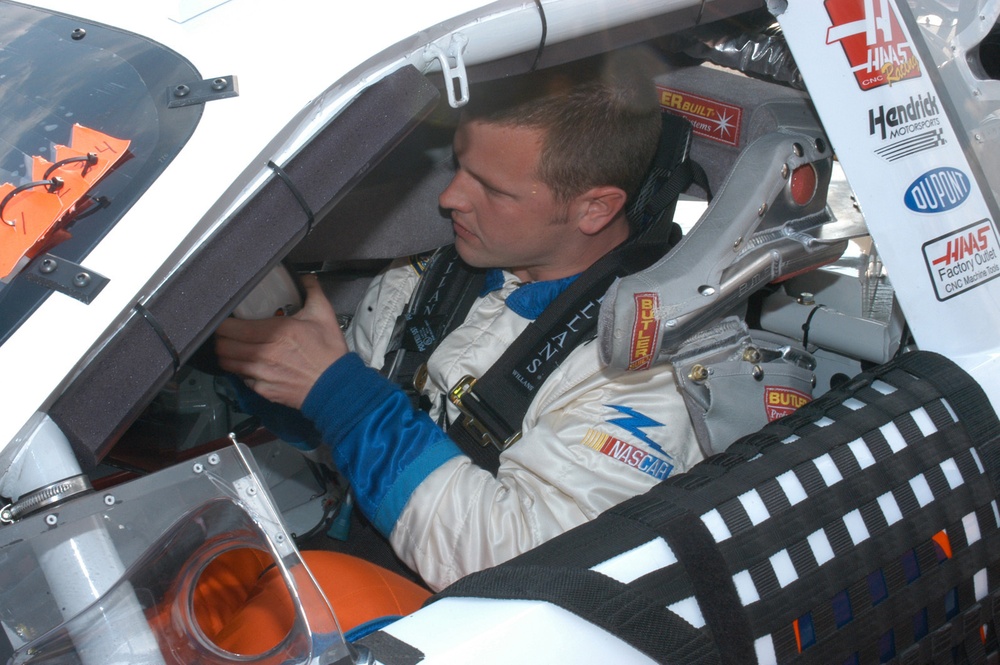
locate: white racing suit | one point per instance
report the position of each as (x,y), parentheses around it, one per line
(591,438)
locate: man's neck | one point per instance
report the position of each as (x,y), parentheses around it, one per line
(578,260)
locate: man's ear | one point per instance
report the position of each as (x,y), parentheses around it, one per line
(598,207)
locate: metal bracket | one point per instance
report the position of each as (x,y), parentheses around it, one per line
(66,277)
(456,50)
(199,92)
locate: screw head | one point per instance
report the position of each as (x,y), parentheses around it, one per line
(698,373)
(81,280)
(78,34)
(181,90)
(219,84)
(48,266)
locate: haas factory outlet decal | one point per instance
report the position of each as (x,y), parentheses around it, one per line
(962,260)
(872,36)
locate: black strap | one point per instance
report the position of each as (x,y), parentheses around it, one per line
(447,289)
(502,395)
(619,609)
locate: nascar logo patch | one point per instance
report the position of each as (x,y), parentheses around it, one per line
(628,454)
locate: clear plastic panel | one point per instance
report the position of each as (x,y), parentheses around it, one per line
(139,549)
(963,40)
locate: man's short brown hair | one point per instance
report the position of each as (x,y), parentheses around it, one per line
(601,120)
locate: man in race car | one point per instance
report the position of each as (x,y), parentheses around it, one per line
(539,195)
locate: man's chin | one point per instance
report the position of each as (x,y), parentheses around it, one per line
(471,258)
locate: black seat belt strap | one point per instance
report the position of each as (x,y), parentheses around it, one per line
(494,406)
(444,296)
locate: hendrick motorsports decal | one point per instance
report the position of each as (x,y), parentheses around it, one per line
(963,259)
(626,453)
(871,34)
(906,129)
(937,190)
(709,118)
(779,401)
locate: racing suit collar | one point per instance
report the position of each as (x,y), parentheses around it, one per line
(527,300)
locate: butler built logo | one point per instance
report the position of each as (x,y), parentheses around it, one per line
(709,118)
(779,401)
(873,40)
(645,332)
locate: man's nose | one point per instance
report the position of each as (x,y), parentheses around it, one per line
(453,197)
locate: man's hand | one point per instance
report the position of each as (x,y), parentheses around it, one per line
(282,357)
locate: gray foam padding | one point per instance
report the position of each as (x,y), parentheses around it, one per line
(121,380)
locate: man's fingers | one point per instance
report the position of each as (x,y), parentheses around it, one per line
(253,332)
(317,307)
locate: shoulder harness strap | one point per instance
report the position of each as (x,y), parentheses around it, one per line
(444,296)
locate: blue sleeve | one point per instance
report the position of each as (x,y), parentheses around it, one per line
(381,443)
(286,423)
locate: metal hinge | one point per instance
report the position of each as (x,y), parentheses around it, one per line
(199,92)
(453,74)
(66,277)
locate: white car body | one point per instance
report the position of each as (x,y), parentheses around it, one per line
(299,65)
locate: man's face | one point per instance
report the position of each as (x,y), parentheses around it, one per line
(502,214)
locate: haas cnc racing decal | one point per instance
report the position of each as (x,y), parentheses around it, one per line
(709,118)
(962,260)
(872,36)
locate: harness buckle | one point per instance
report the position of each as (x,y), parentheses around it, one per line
(476,428)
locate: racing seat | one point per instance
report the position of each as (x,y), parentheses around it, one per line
(768,160)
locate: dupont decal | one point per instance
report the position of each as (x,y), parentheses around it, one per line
(873,39)
(626,453)
(937,190)
(645,332)
(906,129)
(780,401)
(709,118)
(963,259)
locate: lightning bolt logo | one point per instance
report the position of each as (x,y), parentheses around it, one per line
(634,422)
